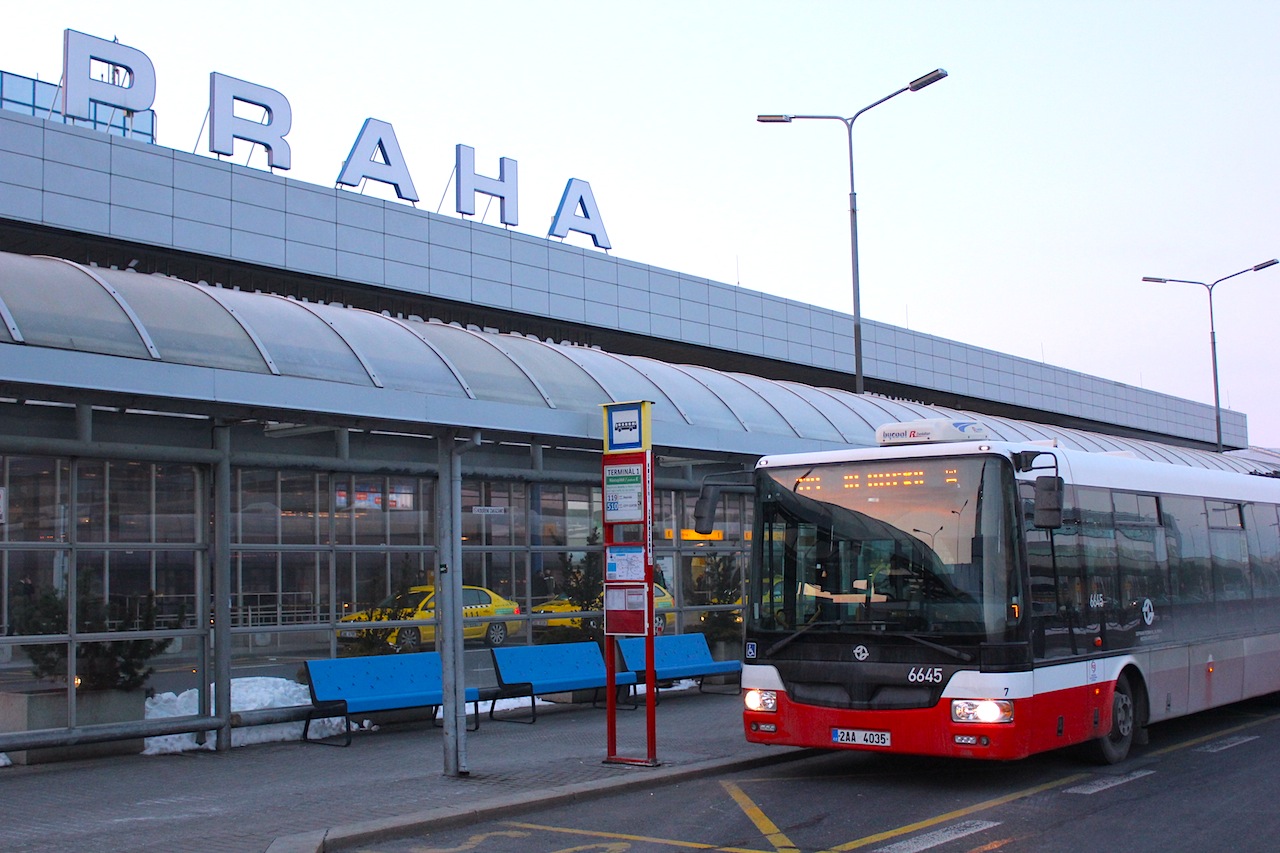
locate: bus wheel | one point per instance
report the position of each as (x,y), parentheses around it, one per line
(1113,747)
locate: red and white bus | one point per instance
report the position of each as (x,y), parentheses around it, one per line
(985,599)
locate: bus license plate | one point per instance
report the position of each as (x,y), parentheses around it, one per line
(860,737)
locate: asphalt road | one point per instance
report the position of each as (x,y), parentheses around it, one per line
(1205,783)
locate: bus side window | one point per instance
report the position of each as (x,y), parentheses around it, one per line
(1187,535)
(1142,552)
(1230,553)
(1264,563)
(1264,549)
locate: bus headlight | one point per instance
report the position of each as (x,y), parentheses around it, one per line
(981,711)
(761,700)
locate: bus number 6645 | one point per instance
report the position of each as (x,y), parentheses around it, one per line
(925,675)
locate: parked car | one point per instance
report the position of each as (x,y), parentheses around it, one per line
(419,603)
(663,618)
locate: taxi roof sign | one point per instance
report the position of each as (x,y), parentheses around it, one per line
(930,431)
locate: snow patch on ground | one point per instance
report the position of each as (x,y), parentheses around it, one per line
(247,694)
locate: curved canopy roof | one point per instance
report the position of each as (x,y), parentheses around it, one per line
(58,304)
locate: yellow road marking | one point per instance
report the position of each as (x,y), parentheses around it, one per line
(994,845)
(471,843)
(694,845)
(782,844)
(968,810)
(767,828)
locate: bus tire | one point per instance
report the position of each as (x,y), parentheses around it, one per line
(1113,747)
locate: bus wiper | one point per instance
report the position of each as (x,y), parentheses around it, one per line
(946,650)
(786,641)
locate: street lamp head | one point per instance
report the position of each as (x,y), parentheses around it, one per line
(1265,264)
(927,80)
(774,119)
(1155,280)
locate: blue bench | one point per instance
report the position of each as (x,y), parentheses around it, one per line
(677,656)
(357,685)
(553,668)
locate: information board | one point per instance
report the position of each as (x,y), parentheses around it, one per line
(624,563)
(623,493)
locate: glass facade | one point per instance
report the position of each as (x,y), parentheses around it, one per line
(124,547)
(103,575)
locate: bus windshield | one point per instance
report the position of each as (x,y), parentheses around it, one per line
(918,546)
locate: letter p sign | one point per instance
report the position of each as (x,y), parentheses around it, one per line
(134,90)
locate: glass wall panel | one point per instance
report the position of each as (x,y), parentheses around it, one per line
(366,504)
(583,515)
(32,576)
(304,577)
(36,499)
(179,504)
(176,581)
(504,572)
(410,506)
(666,516)
(256,504)
(111,590)
(546,515)
(362,580)
(493,513)
(304,508)
(567,515)
(255,583)
(91,500)
(129,502)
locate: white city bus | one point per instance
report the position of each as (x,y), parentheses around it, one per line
(945,594)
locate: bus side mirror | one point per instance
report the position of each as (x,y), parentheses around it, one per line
(1048,507)
(704,511)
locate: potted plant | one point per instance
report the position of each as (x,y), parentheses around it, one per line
(109,674)
(110,665)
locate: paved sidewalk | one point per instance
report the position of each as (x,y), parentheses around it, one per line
(291,797)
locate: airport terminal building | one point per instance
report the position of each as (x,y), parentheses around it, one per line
(228,397)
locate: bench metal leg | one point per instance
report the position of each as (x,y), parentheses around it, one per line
(630,694)
(473,726)
(533,710)
(325,713)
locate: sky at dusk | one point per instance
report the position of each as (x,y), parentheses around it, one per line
(1016,205)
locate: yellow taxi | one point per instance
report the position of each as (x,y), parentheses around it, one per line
(663,619)
(419,603)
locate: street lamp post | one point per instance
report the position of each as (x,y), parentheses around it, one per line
(1213,337)
(914,86)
